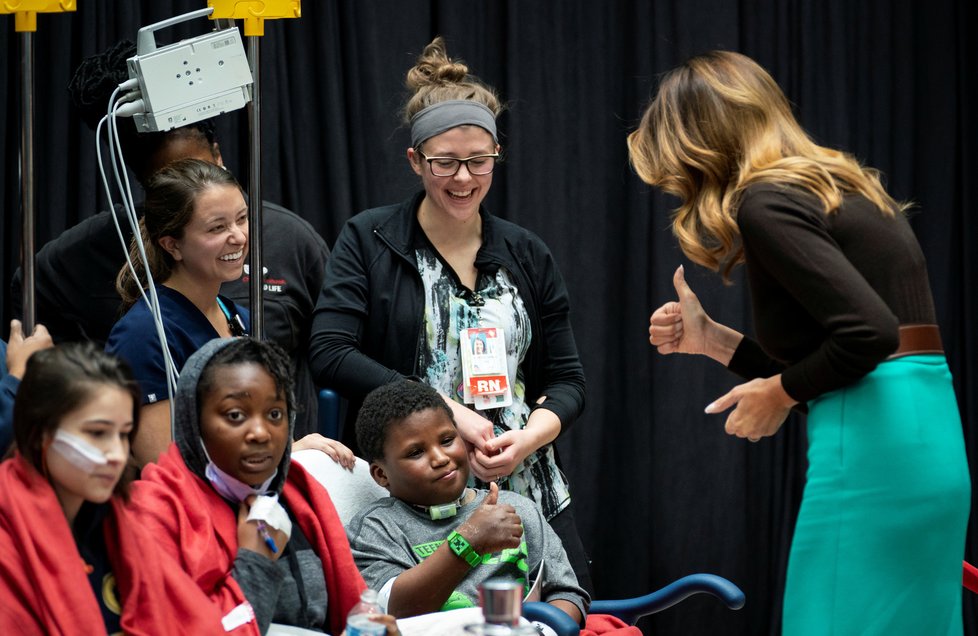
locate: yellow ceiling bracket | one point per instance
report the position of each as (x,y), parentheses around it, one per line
(25,11)
(253,12)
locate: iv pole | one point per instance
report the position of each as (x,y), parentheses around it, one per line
(25,22)
(254,14)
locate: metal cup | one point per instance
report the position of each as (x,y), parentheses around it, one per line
(502,601)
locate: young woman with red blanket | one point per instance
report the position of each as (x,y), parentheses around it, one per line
(256,533)
(72,561)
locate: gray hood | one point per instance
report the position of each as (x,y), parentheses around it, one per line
(187,416)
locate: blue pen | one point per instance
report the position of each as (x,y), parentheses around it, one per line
(267,538)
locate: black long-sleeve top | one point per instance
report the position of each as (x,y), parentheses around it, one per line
(828,291)
(367,325)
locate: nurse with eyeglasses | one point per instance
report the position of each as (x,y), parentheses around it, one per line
(409,285)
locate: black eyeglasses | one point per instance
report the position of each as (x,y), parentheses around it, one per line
(448,166)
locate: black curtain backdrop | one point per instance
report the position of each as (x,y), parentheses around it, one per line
(661,491)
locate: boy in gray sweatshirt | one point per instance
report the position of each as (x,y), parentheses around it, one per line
(431,544)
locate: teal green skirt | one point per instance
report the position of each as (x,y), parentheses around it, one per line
(880,535)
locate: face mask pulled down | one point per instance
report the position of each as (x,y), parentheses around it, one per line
(265,508)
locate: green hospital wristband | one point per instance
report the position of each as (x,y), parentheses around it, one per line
(460,546)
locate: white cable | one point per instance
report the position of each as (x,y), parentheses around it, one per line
(133,224)
(127,207)
(108,193)
(125,192)
(129,84)
(132,108)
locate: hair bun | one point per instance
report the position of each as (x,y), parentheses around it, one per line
(435,78)
(434,67)
(451,72)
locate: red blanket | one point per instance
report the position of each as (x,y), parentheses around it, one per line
(197,527)
(43,585)
(970,580)
(608,626)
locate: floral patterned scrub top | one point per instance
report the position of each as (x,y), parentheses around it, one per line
(451,307)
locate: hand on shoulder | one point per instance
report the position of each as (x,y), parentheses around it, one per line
(337,451)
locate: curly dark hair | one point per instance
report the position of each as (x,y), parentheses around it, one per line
(268,355)
(389,404)
(90,89)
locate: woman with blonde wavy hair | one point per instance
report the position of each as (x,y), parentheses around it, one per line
(845,325)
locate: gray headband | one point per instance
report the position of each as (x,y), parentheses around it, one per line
(437,118)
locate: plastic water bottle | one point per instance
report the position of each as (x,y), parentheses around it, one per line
(358,621)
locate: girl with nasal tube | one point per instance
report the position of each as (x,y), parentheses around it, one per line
(72,559)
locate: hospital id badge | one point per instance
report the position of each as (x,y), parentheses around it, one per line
(485,368)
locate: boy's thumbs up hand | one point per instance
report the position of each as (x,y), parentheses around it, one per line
(493,526)
(493,495)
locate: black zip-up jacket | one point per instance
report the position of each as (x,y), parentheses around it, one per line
(366,328)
